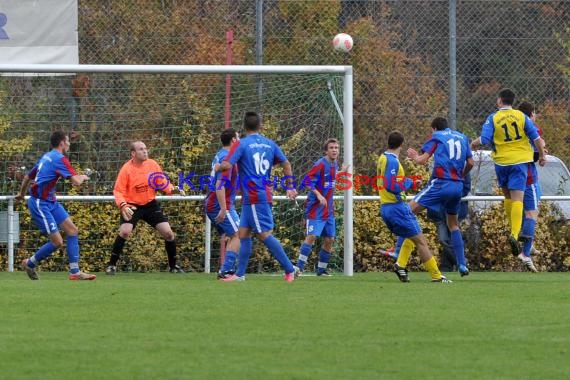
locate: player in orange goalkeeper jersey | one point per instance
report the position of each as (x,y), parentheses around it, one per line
(135,195)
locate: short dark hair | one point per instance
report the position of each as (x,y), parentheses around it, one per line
(251,121)
(507,96)
(330,141)
(227,136)
(439,123)
(395,140)
(527,108)
(132,147)
(57,137)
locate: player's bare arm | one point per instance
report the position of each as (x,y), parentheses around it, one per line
(225,165)
(23,189)
(288,172)
(78,179)
(476,143)
(541,146)
(468,166)
(322,200)
(421,159)
(175,190)
(221,197)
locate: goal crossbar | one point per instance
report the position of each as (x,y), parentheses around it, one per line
(177,69)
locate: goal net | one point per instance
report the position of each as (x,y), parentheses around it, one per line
(179,112)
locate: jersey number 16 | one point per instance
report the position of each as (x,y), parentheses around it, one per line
(261,164)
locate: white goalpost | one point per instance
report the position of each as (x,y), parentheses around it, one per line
(301,106)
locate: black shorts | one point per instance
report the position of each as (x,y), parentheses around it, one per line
(150,213)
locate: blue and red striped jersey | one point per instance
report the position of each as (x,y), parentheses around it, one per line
(450,150)
(46,172)
(322,178)
(228,181)
(255,155)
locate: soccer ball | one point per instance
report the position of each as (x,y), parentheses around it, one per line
(343,42)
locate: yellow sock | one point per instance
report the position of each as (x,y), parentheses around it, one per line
(432,268)
(405,252)
(516,218)
(508,204)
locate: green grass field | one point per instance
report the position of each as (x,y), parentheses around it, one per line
(370,326)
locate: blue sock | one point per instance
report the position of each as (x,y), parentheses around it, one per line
(304,254)
(243,257)
(278,252)
(528,228)
(229,262)
(458,247)
(324,258)
(73,253)
(44,252)
(399,243)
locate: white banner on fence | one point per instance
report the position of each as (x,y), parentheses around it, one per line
(38,31)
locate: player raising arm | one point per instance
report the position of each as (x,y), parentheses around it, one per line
(452,162)
(219,203)
(509,132)
(255,155)
(397,214)
(47,213)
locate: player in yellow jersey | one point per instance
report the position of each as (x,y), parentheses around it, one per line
(509,133)
(397,214)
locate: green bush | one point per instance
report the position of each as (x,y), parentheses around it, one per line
(488,248)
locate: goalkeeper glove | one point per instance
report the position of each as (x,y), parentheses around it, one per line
(179,191)
(127,211)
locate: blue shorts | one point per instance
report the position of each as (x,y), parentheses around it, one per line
(229,225)
(258,217)
(319,227)
(532,195)
(513,177)
(441,195)
(400,219)
(47,215)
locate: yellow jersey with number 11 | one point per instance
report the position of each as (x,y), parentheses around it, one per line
(509,132)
